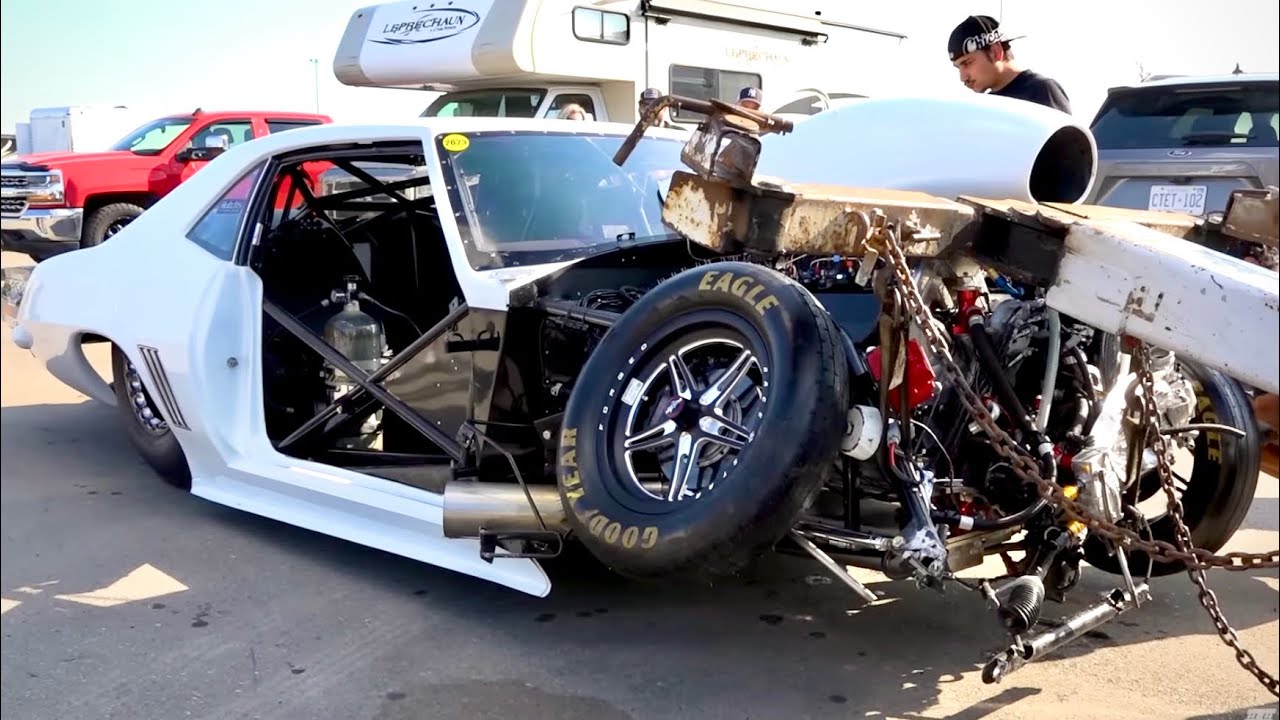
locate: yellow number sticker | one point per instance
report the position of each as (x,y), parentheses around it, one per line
(455,142)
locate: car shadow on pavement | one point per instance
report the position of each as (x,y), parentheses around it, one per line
(783,635)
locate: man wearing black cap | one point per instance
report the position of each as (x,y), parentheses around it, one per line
(980,50)
(750,97)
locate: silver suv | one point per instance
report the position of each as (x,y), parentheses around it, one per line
(1182,144)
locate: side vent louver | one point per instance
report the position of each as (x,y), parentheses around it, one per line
(163,390)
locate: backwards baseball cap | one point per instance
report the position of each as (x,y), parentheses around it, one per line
(750,93)
(976,32)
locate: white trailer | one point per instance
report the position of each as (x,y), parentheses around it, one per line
(530,58)
(73,128)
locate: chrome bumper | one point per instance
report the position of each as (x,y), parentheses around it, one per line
(38,225)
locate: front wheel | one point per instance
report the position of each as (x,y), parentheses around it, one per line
(106,221)
(1215,476)
(146,428)
(703,424)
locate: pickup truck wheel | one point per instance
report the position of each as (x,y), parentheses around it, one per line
(107,221)
(147,430)
(703,423)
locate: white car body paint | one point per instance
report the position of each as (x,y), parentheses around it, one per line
(150,287)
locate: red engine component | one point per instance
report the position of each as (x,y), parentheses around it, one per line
(919,373)
(968,304)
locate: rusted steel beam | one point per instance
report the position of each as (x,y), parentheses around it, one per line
(807,219)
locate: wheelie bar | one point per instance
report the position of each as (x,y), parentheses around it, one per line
(1111,606)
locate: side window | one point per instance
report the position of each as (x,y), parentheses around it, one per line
(599,26)
(706,84)
(233,132)
(564,99)
(217,231)
(275,126)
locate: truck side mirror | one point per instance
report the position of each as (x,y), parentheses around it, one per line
(195,154)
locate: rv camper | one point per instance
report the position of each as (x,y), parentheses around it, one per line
(530,58)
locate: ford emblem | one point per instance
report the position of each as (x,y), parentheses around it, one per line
(1179,153)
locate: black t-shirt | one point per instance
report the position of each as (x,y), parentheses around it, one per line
(1036,88)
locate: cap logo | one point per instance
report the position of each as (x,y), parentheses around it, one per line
(977,42)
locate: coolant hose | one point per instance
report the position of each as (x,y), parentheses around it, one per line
(991,364)
(1050,369)
(1007,396)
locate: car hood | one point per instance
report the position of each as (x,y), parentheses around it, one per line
(58,160)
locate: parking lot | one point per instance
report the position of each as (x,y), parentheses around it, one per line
(124,598)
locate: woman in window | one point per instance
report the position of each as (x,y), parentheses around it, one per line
(572,111)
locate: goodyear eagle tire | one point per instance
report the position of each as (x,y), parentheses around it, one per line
(1217,493)
(703,423)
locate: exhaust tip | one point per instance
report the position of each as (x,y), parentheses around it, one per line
(1064,168)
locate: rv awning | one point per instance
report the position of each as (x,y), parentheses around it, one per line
(712,10)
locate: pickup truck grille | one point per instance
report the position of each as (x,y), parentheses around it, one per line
(12,206)
(13,181)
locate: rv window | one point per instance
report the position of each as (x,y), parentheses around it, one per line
(706,84)
(509,102)
(599,26)
(563,99)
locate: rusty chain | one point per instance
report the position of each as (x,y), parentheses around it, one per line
(882,240)
(1150,415)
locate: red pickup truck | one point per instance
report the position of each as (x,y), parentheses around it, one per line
(54,202)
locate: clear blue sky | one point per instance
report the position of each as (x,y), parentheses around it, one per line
(255,53)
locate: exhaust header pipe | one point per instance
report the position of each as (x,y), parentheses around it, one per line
(470,507)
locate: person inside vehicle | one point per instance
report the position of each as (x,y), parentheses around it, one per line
(647,98)
(981,51)
(750,97)
(572,111)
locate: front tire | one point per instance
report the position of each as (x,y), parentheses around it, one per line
(106,221)
(703,424)
(148,433)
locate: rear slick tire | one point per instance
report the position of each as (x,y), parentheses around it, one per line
(784,417)
(157,446)
(1222,482)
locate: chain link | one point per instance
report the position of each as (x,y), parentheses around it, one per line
(1208,599)
(883,240)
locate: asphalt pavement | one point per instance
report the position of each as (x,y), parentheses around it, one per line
(125,598)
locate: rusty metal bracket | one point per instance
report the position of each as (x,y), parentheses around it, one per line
(725,144)
(1253,215)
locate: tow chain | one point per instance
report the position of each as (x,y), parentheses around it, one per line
(883,240)
(1208,599)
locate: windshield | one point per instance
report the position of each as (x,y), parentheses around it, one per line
(1244,115)
(153,137)
(503,102)
(527,198)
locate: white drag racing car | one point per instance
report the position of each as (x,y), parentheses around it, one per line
(470,340)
